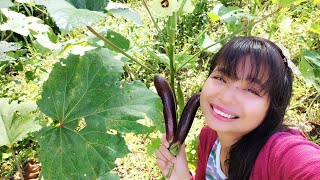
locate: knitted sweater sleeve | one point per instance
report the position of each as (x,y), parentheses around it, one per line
(207,138)
(289,155)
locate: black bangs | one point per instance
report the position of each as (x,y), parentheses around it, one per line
(252,60)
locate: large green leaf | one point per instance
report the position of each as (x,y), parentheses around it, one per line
(230,14)
(93,5)
(312,57)
(309,69)
(16,121)
(85,96)
(21,24)
(67,17)
(5,3)
(114,37)
(125,12)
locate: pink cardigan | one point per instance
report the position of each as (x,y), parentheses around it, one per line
(285,156)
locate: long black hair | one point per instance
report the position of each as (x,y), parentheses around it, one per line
(262,53)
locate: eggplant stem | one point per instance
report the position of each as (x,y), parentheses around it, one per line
(170,171)
(174,149)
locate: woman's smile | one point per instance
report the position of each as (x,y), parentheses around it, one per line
(223,114)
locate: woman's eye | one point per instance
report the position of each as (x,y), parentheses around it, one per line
(253,92)
(219,78)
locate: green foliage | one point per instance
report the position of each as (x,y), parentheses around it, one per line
(310,68)
(6,47)
(125,12)
(85,96)
(284,3)
(114,37)
(88,120)
(67,17)
(5,3)
(97,5)
(16,121)
(21,24)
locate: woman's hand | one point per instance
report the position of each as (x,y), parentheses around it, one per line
(165,159)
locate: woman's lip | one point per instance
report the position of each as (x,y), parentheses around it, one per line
(223,110)
(222,118)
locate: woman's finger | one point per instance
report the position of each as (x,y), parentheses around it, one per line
(164,141)
(166,153)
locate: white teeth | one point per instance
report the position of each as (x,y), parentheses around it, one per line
(224,114)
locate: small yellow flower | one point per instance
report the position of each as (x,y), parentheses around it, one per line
(165,7)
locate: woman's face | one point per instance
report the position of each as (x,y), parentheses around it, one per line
(235,107)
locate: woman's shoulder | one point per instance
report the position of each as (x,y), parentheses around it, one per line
(290,155)
(288,138)
(290,141)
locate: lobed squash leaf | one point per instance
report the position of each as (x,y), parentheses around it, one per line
(92,109)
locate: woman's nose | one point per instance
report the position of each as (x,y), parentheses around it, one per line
(229,94)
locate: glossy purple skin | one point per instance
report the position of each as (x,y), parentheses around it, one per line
(169,106)
(186,119)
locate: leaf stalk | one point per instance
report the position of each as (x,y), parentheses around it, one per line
(117,48)
(16,161)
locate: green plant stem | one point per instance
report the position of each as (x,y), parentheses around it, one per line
(317,96)
(44,12)
(16,161)
(230,36)
(181,6)
(118,49)
(171,52)
(174,150)
(11,33)
(28,45)
(27,10)
(153,21)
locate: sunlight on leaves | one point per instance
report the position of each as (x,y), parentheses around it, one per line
(118,9)
(97,5)
(7,47)
(67,17)
(21,24)
(16,121)
(23,1)
(6,3)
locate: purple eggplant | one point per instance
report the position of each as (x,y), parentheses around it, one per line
(169,106)
(186,120)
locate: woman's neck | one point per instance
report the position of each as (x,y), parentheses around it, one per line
(226,141)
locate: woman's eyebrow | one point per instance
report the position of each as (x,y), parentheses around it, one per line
(254,80)
(221,70)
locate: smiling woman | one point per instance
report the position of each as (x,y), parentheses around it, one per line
(244,101)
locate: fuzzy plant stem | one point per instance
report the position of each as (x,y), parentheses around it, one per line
(16,161)
(171,52)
